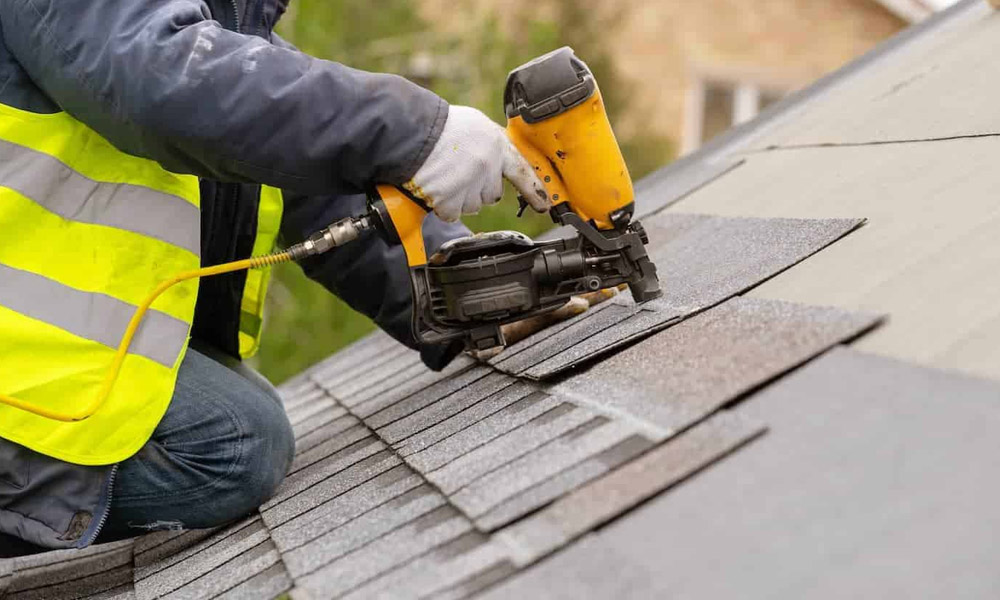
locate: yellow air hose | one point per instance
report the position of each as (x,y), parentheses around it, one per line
(337,234)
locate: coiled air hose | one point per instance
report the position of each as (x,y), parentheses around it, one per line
(337,234)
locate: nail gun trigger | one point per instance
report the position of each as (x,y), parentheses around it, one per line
(522,204)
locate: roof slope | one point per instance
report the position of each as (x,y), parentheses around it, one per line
(703,459)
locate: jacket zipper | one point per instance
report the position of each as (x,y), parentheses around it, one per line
(107,506)
(236,14)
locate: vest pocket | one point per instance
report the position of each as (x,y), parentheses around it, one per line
(13,466)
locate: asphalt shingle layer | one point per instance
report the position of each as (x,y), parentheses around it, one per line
(456,564)
(701,261)
(530,406)
(173,572)
(681,375)
(6,575)
(893,496)
(100,571)
(385,552)
(342,509)
(603,499)
(164,546)
(362,529)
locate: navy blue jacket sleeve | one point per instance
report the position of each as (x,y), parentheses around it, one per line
(369,274)
(162,80)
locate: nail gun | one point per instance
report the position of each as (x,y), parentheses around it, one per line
(473,285)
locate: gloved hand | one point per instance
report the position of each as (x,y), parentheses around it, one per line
(466,167)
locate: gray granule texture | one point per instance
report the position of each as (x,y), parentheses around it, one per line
(480,496)
(6,575)
(472,585)
(536,338)
(363,529)
(720,257)
(345,390)
(308,394)
(157,547)
(663,228)
(433,393)
(296,387)
(59,574)
(125,591)
(323,431)
(112,583)
(332,486)
(386,553)
(387,397)
(603,499)
(665,466)
(442,569)
(406,374)
(326,468)
(654,316)
(445,407)
(270,583)
(342,509)
(217,539)
(334,444)
(228,576)
(512,416)
(685,373)
(456,424)
(158,580)
(346,364)
(585,326)
(325,411)
(319,404)
(467,468)
(377,364)
(553,487)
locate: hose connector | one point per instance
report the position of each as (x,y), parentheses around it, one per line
(342,232)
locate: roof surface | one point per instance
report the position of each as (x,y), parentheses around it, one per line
(761,431)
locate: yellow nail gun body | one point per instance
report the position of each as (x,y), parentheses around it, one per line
(557,120)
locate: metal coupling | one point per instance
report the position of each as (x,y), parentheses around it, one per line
(342,232)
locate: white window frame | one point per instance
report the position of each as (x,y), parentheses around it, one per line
(747,97)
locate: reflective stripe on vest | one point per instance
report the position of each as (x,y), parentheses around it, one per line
(88,232)
(254,292)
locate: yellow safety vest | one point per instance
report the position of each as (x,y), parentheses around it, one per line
(86,232)
(255,291)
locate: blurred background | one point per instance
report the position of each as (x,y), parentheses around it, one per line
(674,74)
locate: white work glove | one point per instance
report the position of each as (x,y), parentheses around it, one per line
(466,167)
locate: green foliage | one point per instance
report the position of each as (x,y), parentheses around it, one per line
(305,323)
(349,30)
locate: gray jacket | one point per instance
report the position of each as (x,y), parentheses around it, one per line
(204,87)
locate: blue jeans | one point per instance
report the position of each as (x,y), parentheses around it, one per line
(220,451)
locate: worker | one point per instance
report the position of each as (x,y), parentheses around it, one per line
(139,138)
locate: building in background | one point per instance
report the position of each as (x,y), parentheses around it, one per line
(701,67)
